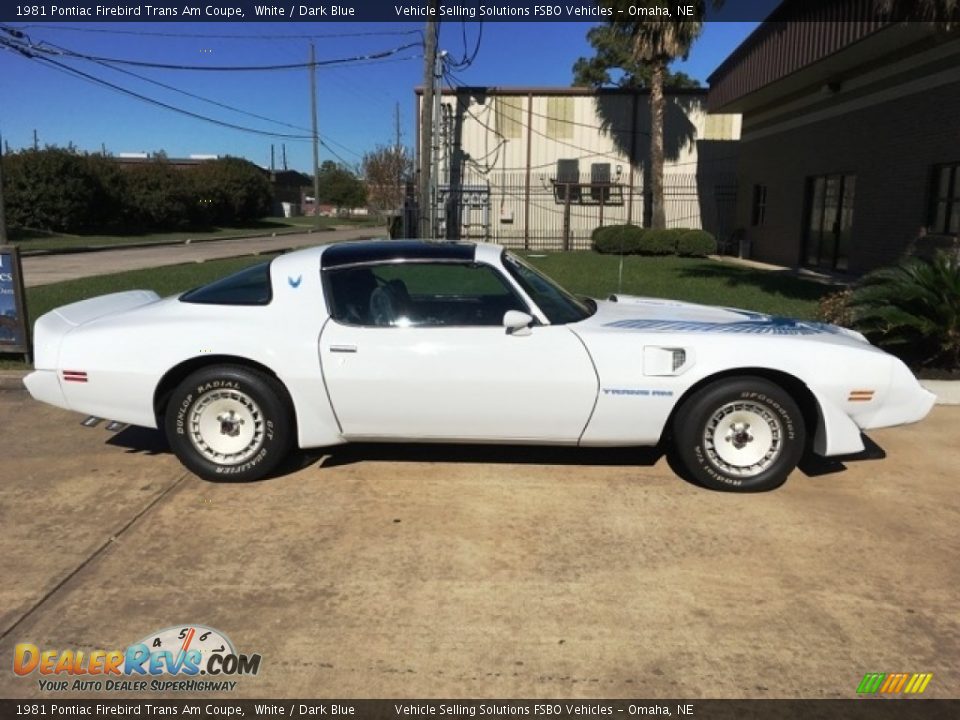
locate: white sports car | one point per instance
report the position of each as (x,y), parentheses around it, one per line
(406,341)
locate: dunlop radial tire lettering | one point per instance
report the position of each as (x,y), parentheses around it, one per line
(229,423)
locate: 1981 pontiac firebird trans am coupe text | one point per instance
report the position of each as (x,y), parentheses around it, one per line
(449,342)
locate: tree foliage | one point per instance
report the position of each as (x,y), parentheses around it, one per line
(62,190)
(230,190)
(340,186)
(385,171)
(615,65)
(52,189)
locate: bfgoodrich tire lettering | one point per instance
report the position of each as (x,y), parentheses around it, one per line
(743,434)
(229,422)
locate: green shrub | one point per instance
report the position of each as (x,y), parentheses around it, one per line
(228,191)
(696,243)
(618,239)
(660,242)
(913,309)
(834,308)
(53,189)
(158,197)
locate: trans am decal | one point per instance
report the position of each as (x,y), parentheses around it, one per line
(756,324)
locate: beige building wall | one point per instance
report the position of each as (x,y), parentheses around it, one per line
(510,141)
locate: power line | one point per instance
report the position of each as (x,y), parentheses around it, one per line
(148,33)
(144,98)
(223,68)
(200,97)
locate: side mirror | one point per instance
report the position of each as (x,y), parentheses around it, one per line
(517,323)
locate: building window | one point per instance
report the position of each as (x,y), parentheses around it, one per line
(829,220)
(759,205)
(560,117)
(508,111)
(945,208)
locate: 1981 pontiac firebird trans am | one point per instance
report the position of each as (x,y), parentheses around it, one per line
(454,342)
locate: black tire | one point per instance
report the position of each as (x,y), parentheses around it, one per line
(229,422)
(740,434)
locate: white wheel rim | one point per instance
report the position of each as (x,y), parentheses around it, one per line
(226,426)
(743,438)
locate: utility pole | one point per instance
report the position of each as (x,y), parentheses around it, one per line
(3,217)
(424,198)
(435,150)
(283,147)
(273,167)
(396,123)
(36,143)
(316,139)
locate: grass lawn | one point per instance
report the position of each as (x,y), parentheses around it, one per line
(586,273)
(281,226)
(695,280)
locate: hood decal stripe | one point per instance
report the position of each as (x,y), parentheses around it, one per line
(764,326)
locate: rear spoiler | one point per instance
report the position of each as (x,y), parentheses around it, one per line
(84,311)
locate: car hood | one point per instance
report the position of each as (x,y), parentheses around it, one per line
(655,315)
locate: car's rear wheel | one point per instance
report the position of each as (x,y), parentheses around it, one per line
(742,434)
(229,422)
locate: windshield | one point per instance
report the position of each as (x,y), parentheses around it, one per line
(557,304)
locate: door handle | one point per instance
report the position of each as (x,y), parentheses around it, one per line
(343,348)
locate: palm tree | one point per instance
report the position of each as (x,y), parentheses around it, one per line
(657,41)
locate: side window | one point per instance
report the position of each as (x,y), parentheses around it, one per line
(420,295)
(247,287)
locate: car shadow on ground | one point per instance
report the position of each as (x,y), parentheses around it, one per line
(152,442)
(815,465)
(483,454)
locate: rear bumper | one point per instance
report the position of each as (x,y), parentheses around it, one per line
(44,385)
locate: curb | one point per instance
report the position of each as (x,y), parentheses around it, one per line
(165,243)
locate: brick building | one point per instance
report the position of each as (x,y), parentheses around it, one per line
(850,142)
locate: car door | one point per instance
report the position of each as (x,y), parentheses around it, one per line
(418,350)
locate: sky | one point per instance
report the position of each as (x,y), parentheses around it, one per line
(356,101)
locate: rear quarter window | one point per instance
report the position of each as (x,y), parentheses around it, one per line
(247,287)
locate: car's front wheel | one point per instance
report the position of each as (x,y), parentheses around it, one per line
(743,434)
(229,422)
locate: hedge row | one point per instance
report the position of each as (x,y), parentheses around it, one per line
(64,191)
(634,240)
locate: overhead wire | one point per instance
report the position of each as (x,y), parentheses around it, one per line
(225,68)
(28,50)
(220,36)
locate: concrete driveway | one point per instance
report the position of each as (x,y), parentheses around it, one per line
(484,572)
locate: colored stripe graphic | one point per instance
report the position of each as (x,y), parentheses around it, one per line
(871,683)
(918,683)
(893,683)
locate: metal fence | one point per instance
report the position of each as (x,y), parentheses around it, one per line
(547,212)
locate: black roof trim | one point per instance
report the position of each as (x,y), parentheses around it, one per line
(354,253)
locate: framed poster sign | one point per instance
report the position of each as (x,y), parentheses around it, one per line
(14,327)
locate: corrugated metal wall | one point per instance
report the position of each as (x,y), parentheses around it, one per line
(797,34)
(510,160)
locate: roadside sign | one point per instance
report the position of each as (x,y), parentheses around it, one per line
(14,327)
